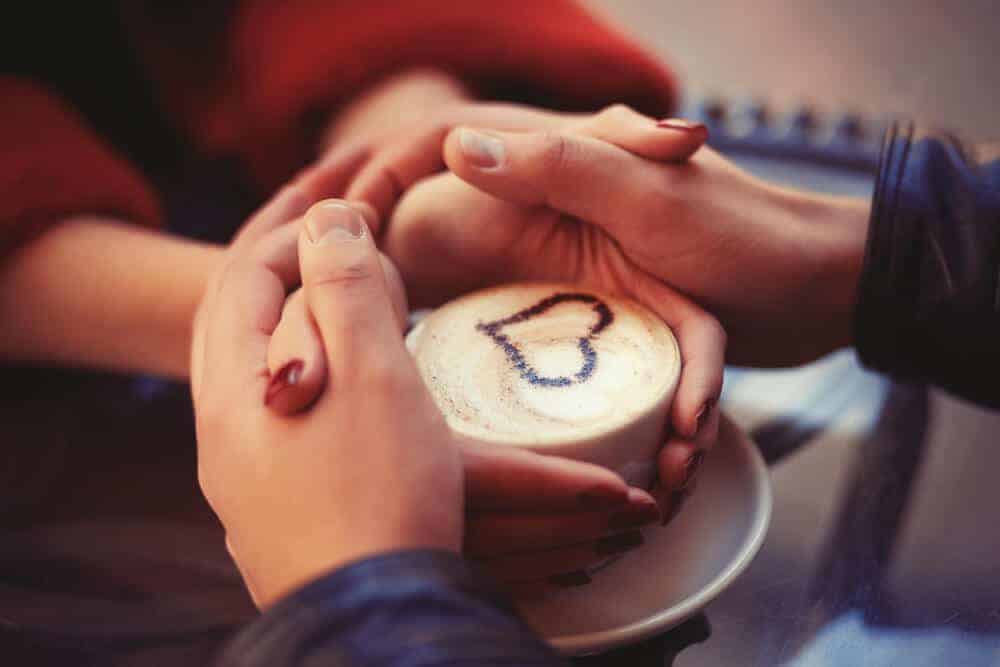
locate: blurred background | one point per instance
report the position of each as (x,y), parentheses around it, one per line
(935,60)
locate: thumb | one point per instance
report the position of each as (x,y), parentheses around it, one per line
(346,292)
(295,352)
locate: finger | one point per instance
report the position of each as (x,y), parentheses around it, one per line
(702,343)
(295,359)
(330,176)
(495,534)
(397,291)
(346,292)
(536,565)
(289,204)
(248,308)
(509,479)
(326,178)
(678,465)
(395,170)
(580,176)
(669,140)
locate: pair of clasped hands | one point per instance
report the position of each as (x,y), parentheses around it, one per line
(318,442)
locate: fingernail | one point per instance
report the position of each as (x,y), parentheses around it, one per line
(642,515)
(677,500)
(702,417)
(482,150)
(332,221)
(619,544)
(570,579)
(682,125)
(691,468)
(602,497)
(287,376)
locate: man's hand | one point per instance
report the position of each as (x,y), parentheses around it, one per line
(372,467)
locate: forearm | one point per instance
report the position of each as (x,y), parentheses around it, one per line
(98,293)
(838,227)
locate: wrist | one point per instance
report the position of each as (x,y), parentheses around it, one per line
(840,233)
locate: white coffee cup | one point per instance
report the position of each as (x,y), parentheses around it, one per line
(553,368)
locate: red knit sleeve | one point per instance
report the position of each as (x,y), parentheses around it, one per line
(53,166)
(287,60)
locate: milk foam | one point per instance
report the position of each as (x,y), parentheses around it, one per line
(543,363)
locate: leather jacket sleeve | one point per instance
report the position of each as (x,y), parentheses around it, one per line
(929,301)
(404,608)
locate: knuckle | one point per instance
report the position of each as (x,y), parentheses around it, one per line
(555,152)
(385,378)
(352,276)
(711,328)
(719,332)
(617,113)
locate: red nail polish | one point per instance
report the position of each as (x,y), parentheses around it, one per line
(287,376)
(682,125)
(691,468)
(677,500)
(702,417)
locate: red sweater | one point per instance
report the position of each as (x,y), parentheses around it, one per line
(249,89)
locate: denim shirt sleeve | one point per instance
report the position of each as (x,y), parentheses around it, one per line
(929,295)
(402,608)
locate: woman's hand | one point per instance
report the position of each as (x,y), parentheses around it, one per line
(372,467)
(401,123)
(778,267)
(529,517)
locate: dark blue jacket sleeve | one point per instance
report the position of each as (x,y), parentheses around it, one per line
(929,295)
(405,608)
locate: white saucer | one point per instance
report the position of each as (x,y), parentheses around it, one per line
(680,568)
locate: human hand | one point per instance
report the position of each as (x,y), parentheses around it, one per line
(450,238)
(778,267)
(372,467)
(529,517)
(401,124)
(474,240)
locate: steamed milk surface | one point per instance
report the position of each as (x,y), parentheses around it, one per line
(537,364)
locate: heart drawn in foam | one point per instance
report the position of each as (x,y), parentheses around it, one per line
(495,331)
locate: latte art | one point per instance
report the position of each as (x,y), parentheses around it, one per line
(528,373)
(546,364)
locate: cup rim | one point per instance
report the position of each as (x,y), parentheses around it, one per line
(473,432)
